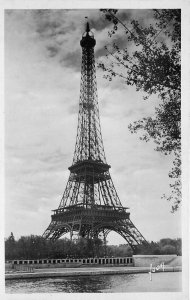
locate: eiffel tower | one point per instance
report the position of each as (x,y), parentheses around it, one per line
(90,206)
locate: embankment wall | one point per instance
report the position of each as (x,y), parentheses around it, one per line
(155,260)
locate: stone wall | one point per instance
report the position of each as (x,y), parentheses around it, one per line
(69,262)
(155,260)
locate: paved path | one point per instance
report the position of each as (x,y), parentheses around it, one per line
(65,272)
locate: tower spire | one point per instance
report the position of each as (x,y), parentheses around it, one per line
(90,205)
(87,27)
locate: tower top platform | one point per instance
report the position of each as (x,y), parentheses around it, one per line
(88,40)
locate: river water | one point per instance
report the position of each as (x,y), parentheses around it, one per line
(161,282)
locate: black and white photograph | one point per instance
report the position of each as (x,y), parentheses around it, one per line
(93,147)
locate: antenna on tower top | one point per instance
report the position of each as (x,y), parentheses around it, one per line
(87,25)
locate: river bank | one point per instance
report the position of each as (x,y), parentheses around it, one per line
(70,272)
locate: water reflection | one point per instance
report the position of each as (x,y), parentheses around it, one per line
(170,282)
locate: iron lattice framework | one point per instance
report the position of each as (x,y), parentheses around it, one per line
(90,205)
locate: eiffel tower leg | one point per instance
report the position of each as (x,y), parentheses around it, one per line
(56,230)
(131,234)
(127,230)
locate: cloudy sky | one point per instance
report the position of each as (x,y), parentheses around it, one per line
(42,82)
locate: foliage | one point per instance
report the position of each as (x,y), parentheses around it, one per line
(151,63)
(121,250)
(36,247)
(10,249)
(168,249)
(164,246)
(176,243)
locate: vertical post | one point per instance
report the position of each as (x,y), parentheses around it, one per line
(105,246)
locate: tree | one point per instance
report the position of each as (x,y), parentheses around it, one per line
(173,243)
(151,63)
(36,247)
(168,249)
(10,247)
